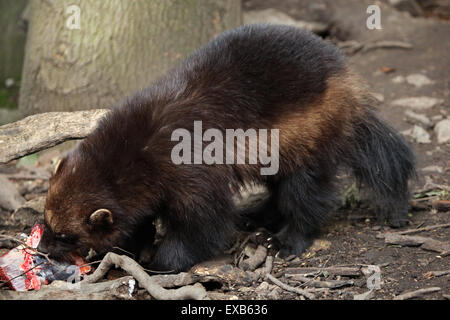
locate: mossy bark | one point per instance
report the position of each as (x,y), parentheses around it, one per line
(121,47)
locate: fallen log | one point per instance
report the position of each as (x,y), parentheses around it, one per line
(45,130)
(121,288)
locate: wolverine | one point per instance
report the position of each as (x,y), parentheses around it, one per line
(109,190)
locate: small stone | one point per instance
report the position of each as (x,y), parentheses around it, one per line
(378,96)
(417,103)
(9,82)
(417,117)
(442,130)
(275,294)
(437,117)
(418,80)
(419,134)
(399,79)
(246,290)
(262,288)
(364,296)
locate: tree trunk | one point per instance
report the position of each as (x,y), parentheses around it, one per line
(12,39)
(120,47)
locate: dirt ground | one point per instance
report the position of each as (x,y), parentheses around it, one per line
(354,238)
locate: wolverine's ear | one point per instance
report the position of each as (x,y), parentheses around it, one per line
(101,217)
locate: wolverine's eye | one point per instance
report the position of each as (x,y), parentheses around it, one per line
(63,237)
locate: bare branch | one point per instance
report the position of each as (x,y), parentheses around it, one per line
(45,130)
(341,271)
(331,284)
(304,292)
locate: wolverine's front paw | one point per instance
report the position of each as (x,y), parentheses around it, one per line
(292,244)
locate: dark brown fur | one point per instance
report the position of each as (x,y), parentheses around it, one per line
(260,76)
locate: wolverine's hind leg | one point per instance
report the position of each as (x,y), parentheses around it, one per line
(306,200)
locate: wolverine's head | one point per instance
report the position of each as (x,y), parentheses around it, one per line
(80,211)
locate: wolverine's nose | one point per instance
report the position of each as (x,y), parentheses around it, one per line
(42,248)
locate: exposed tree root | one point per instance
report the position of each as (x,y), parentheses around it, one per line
(195,292)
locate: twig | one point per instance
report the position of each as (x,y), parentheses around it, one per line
(386,45)
(268,266)
(318,272)
(196,292)
(409,231)
(125,251)
(302,292)
(417,293)
(27,176)
(431,274)
(428,228)
(27,247)
(416,241)
(342,271)
(331,284)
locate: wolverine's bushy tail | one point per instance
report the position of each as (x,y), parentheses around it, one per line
(383,161)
